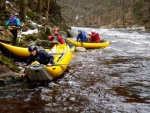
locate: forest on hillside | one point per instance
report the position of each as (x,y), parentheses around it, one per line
(45,12)
(113,13)
(110,13)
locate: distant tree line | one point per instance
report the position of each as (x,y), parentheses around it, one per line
(102,12)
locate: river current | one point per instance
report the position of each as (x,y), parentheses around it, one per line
(115,79)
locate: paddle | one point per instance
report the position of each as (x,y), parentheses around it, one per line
(81,41)
(55,38)
(70,45)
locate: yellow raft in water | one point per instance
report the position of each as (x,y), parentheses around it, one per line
(14,50)
(88,45)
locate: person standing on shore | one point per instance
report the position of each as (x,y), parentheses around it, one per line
(12,25)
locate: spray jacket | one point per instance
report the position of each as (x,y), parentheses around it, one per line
(16,22)
(42,57)
(94,37)
(82,37)
(57,38)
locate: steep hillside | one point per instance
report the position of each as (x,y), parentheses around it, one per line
(110,13)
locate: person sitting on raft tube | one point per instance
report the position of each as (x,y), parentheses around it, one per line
(95,38)
(81,36)
(39,55)
(56,36)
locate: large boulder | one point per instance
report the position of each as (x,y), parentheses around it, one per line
(41,35)
(63,34)
(32,25)
(70,33)
(48,30)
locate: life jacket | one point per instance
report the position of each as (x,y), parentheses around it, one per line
(13,21)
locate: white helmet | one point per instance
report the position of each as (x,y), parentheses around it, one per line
(93,31)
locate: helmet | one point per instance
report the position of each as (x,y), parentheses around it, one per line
(93,31)
(79,30)
(56,29)
(31,48)
(16,14)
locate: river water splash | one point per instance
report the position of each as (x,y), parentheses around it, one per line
(110,80)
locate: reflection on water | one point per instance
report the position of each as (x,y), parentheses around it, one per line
(110,80)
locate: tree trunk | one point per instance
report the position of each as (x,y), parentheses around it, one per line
(123,12)
(32,5)
(23,11)
(47,11)
(39,10)
(2,5)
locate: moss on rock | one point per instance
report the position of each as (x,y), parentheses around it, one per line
(30,37)
(41,35)
(9,63)
(32,15)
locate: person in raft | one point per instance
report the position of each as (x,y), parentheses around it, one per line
(95,38)
(81,36)
(12,25)
(56,36)
(38,55)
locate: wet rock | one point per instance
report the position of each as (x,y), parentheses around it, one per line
(41,35)
(48,30)
(1,28)
(70,33)
(31,25)
(63,34)
(80,49)
(44,43)
(2,82)
(20,68)
(43,29)
(31,43)
(3,69)
(10,77)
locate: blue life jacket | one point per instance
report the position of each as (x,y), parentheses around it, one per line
(82,37)
(13,21)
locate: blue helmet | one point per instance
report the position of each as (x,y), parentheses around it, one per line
(31,48)
(79,30)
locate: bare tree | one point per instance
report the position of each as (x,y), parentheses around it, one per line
(39,8)
(32,5)
(47,10)
(123,12)
(23,10)
(2,4)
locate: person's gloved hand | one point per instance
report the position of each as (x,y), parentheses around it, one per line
(22,75)
(49,64)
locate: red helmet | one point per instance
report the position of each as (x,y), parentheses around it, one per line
(56,29)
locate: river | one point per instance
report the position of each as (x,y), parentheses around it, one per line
(110,80)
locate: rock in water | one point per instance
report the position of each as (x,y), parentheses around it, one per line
(80,49)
